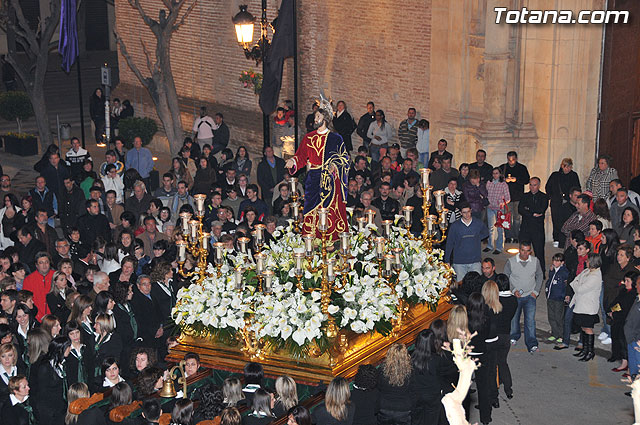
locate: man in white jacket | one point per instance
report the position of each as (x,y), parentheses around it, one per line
(112,181)
(76,156)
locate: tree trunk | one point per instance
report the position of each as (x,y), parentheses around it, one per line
(176,132)
(42,116)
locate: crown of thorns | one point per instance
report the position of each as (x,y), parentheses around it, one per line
(325,104)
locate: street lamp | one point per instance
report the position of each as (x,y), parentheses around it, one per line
(244,23)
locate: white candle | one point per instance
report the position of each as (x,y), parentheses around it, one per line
(323,214)
(430,220)
(296,209)
(427,193)
(268,278)
(243,241)
(380,246)
(386,224)
(182,251)
(443,218)
(308,245)
(193,226)
(260,228)
(238,278)
(388,261)
(344,242)
(205,240)
(185,217)
(370,216)
(293,182)
(397,253)
(298,257)
(219,246)
(439,195)
(199,201)
(260,260)
(331,275)
(362,221)
(407,210)
(424,177)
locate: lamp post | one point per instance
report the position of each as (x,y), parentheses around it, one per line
(244,23)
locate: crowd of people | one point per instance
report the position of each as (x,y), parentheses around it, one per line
(88,271)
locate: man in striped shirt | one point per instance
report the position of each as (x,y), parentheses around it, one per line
(580,219)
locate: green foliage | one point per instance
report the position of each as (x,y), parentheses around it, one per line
(15,106)
(130,128)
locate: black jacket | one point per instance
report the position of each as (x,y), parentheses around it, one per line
(55,177)
(363,126)
(14,415)
(503,319)
(163,302)
(559,185)
(49,401)
(344,126)
(221,135)
(265,178)
(71,205)
(388,208)
(58,307)
(533,204)
(147,318)
(520,172)
(45,201)
(27,254)
(365,402)
(92,226)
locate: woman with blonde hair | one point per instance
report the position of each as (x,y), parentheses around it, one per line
(287,395)
(8,367)
(232,392)
(230,416)
(394,384)
(76,391)
(458,322)
(108,343)
(57,296)
(337,408)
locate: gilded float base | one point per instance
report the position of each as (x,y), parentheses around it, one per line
(350,350)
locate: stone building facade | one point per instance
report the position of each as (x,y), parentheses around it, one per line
(529,88)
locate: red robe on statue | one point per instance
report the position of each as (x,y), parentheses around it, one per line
(327,162)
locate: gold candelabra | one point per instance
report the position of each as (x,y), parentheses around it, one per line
(431,223)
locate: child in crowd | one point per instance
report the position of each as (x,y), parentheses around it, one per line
(74,241)
(556,290)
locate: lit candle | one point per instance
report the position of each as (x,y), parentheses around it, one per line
(380,246)
(199,201)
(331,274)
(308,245)
(296,209)
(323,215)
(370,216)
(388,262)
(185,217)
(219,246)
(443,218)
(424,177)
(205,240)
(299,256)
(386,224)
(430,220)
(243,241)
(261,257)
(362,222)
(260,228)
(268,278)
(397,253)
(407,210)
(238,278)
(293,181)
(193,226)
(344,242)
(182,251)
(439,196)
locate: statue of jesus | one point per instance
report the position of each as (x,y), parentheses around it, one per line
(327,161)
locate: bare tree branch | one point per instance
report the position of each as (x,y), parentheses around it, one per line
(29,36)
(186,14)
(123,50)
(147,20)
(150,66)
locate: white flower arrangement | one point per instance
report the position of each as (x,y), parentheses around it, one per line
(291,318)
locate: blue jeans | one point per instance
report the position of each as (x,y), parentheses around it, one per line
(528,305)
(495,233)
(634,357)
(423,159)
(462,269)
(606,328)
(375,151)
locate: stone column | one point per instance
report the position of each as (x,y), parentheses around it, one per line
(496,58)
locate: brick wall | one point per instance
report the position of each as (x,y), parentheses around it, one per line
(364,51)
